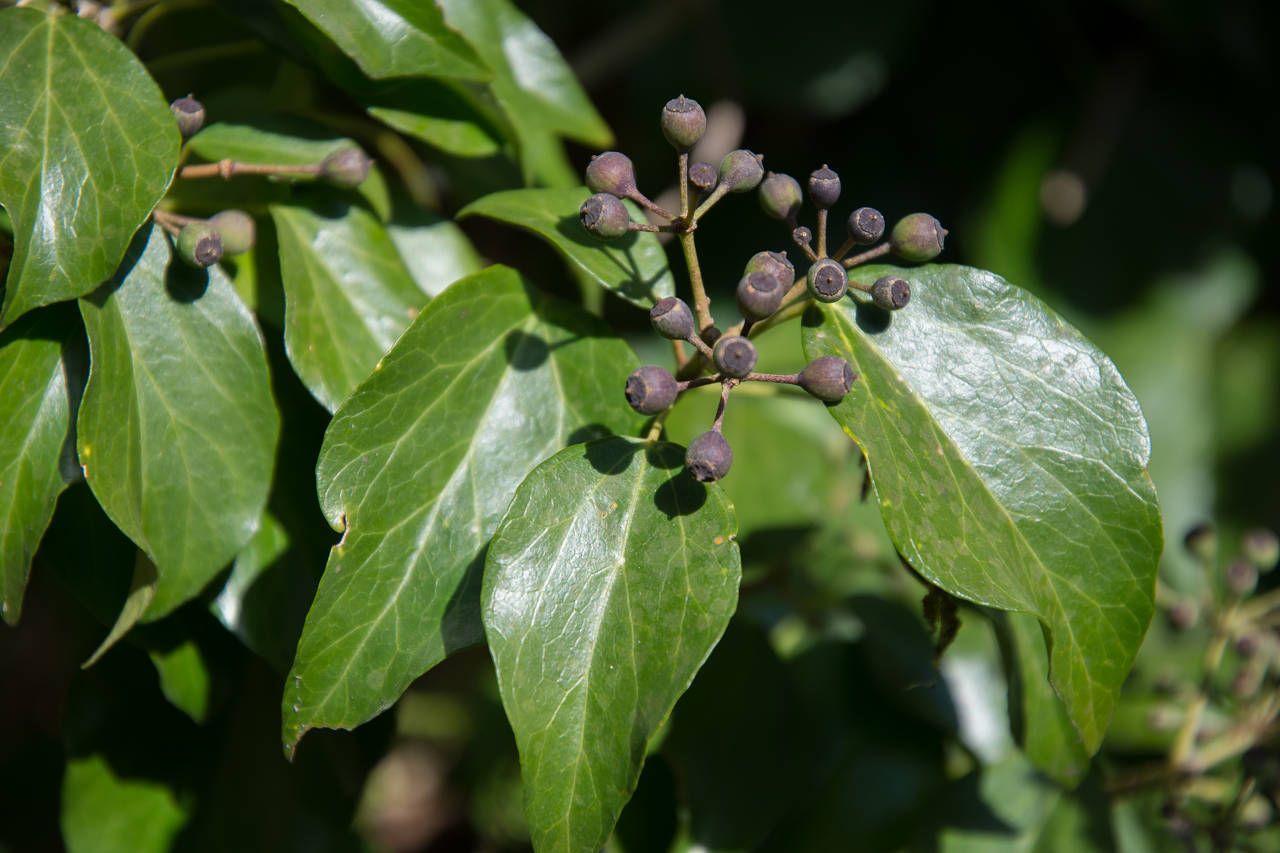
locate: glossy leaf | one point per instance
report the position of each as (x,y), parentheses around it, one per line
(532,84)
(103,812)
(348,296)
(434,250)
(142,590)
(87,147)
(168,345)
(395,38)
(34,425)
(418,466)
(1009,462)
(634,267)
(439,115)
(606,586)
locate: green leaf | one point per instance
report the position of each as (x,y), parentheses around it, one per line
(634,267)
(177,427)
(105,813)
(439,115)
(142,590)
(184,679)
(1009,462)
(348,296)
(418,466)
(395,38)
(34,426)
(533,85)
(87,148)
(435,250)
(606,586)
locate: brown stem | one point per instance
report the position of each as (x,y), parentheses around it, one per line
(725,388)
(700,344)
(868,255)
(681,358)
(795,309)
(718,193)
(167,219)
(781,378)
(226,168)
(848,244)
(683,168)
(822,233)
(701,304)
(643,200)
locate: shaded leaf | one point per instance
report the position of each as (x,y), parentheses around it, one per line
(168,345)
(435,250)
(34,426)
(634,267)
(104,813)
(348,296)
(87,147)
(142,590)
(606,586)
(184,679)
(1009,462)
(395,38)
(439,115)
(418,466)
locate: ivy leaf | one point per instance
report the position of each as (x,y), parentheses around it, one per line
(348,296)
(417,467)
(34,427)
(87,148)
(184,679)
(607,584)
(1009,462)
(395,38)
(438,114)
(634,267)
(169,344)
(105,813)
(435,250)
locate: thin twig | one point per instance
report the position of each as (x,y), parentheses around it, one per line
(868,255)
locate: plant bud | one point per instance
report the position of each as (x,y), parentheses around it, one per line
(917,237)
(651,389)
(346,167)
(741,170)
(759,295)
(891,292)
(1262,548)
(1241,577)
(703,176)
(774,263)
(612,173)
(1201,541)
(605,216)
(237,230)
(709,457)
(672,318)
(735,356)
(200,244)
(824,187)
(827,280)
(866,225)
(780,196)
(189,114)
(828,378)
(683,123)
(1184,614)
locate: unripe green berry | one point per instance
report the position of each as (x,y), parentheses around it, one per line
(237,230)
(824,187)
(672,318)
(827,280)
(346,167)
(605,216)
(651,389)
(200,244)
(189,114)
(1262,548)
(683,123)
(759,295)
(774,263)
(917,237)
(703,177)
(708,457)
(734,356)
(741,170)
(866,225)
(828,378)
(780,196)
(891,292)
(611,172)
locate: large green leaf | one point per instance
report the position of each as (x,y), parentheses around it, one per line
(418,466)
(434,250)
(34,424)
(634,267)
(105,813)
(395,38)
(348,296)
(438,114)
(177,428)
(87,147)
(606,586)
(1009,462)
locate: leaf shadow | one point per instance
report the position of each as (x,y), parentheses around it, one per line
(185,283)
(631,283)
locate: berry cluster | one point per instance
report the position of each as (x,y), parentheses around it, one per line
(767,292)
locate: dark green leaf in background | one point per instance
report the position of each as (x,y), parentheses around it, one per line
(395,38)
(104,812)
(439,115)
(184,679)
(87,147)
(177,428)
(634,267)
(418,466)
(348,296)
(34,425)
(1009,461)
(606,586)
